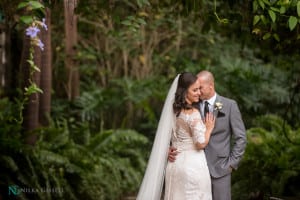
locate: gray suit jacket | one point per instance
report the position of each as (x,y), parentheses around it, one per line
(228,140)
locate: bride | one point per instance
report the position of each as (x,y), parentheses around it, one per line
(181,125)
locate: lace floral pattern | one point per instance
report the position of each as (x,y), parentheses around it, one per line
(189,129)
(188,177)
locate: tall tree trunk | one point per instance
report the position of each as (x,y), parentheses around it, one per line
(34,99)
(46,73)
(31,110)
(2,59)
(9,80)
(71,42)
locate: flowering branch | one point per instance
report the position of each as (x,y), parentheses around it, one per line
(34,26)
(32,31)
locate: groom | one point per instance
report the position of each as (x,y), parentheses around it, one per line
(228,140)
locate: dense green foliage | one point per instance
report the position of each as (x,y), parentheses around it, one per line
(278,20)
(96,146)
(72,162)
(272,162)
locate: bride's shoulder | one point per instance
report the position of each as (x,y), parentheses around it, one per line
(195,113)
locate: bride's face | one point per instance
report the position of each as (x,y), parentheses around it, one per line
(193,93)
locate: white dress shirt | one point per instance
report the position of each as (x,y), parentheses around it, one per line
(211,102)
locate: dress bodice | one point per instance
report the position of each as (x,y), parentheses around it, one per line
(189,130)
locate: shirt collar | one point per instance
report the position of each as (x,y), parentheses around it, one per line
(212,100)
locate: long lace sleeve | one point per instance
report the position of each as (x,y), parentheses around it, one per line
(197,128)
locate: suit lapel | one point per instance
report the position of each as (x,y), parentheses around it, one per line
(218,113)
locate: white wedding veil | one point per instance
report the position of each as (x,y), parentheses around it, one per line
(152,184)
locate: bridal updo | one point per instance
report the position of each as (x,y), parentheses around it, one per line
(186,79)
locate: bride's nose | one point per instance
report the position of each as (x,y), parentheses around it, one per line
(199,92)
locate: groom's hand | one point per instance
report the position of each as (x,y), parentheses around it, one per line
(172,154)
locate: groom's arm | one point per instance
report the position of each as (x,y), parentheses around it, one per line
(238,136)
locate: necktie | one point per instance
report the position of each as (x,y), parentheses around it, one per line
(206,108)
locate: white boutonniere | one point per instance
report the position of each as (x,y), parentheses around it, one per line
(218,106)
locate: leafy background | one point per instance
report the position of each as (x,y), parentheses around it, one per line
(96,146)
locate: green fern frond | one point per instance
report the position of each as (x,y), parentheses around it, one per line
(116,140)
(50,158)
(9,163)
(91,104)
(55,136)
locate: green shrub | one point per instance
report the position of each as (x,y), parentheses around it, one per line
(271,165)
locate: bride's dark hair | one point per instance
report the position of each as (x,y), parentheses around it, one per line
(186,79)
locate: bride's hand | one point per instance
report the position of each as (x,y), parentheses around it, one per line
(210,121)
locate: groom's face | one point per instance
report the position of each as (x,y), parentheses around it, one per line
(206,89)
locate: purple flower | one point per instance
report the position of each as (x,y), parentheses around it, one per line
(41,45)
(44,25)
(32,31)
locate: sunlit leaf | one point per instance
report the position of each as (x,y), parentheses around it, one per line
(142,59)
(255,6)
(256,19)
(26,19)
(266,36)
(276,37)
(141,3)
(141,21)
(272,15)
(262,4)
(263,19)
(35,68)
(275,9)
(267,2)
(292,22)
(282,10)
(22,5)
(126,22)
(256,31)
(31,63)
(143,14)
(36,5)
(224,21)
(33,88)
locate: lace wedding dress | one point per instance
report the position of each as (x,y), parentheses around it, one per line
(188,177)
